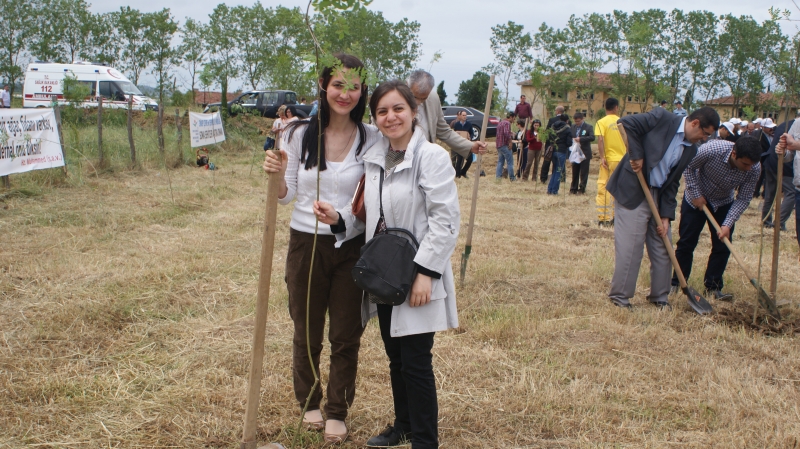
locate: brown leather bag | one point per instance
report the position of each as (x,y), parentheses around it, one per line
(358,201)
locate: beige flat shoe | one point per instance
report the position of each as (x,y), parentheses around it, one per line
(336,438)
(313,421)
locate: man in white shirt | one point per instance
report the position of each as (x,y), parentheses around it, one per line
(5,97)
(431,118)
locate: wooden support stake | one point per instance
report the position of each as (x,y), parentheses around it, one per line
(470,227)
(57,110)
(160,129)
(262,305)
(6,182)
(178,123)
(100,131)
(130,130)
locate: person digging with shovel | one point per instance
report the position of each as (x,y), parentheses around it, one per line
(660,146)
(720,169)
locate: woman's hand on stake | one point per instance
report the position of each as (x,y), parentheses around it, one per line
(325,213)
(275,163)
(420,291)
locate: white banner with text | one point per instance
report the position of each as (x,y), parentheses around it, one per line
(206,129)
(29,141)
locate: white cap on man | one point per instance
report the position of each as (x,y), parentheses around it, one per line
(745,122)
(729,126)
(735,121)
(768,123)
(758,120)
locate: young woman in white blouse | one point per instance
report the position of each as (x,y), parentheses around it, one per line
(345,139)
(419,195)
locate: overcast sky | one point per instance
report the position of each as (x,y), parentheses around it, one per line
(461,29)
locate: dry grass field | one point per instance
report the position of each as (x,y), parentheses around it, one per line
(125,321)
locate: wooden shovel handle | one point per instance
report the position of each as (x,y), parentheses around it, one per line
(656,215)
(727,242)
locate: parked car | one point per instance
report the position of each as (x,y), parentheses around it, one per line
(264,102)
(475,117)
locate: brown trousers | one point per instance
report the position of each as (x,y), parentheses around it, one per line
(332,291)
(533,161)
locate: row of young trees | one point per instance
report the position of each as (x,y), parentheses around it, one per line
(650,55)
(259,46)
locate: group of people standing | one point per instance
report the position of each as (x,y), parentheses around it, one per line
(409,184)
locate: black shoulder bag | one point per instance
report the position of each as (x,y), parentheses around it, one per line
(386,268)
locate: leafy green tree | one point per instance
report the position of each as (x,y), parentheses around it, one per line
(160,28)
(193,49)
(442,94)
(289,67)
(105,42)
(472,92)
(511,50)
(251,30)
(222,59)
(14,35)
(63,30)
(136,48)
(387,49)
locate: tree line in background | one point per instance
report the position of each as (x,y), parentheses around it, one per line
(259,46)
(650,56)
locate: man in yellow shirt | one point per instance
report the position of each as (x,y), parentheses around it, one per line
(611,149)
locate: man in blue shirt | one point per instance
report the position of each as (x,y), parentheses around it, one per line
(679,111)
(660,145)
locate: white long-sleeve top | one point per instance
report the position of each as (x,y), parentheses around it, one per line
(337,183)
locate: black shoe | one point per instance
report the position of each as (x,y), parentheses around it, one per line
(464,175)
(719,296)
(769,225)
(388,438)
(628,306)
(483,173)
(783,227)
(663,306)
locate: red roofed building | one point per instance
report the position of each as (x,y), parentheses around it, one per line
(769,105)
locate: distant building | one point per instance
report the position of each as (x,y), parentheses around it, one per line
(583,100)
(769,106)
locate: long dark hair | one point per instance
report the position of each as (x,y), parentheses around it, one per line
(308,154)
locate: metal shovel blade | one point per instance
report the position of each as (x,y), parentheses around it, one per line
(697,302)
(766,301)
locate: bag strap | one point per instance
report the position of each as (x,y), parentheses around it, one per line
(404,231)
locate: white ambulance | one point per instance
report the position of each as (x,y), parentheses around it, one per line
(44,83)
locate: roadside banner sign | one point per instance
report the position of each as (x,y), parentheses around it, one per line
(29,141)
(206,129)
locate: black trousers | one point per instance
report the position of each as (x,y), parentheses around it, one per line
(546,169)
(692,223)
(461,167)
(416,408)
(580,172)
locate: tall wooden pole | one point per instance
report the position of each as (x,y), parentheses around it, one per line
(262,303)
(468,248)
(178,124)
(57,110)
(130,130)
(776,236)
(100,131)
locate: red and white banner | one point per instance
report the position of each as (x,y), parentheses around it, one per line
(28,140)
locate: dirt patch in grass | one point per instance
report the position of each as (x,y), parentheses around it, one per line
(752,318)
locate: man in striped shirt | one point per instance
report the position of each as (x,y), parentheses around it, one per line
(715,175)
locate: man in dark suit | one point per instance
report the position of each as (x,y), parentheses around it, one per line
(582,133)
(660,145)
